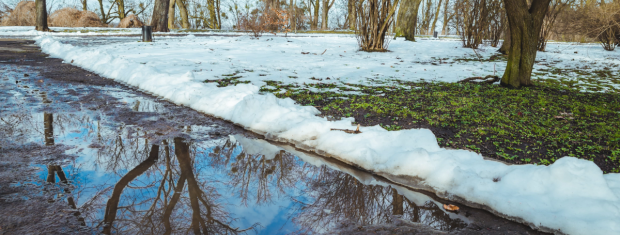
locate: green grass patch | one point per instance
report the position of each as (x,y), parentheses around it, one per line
(537,124)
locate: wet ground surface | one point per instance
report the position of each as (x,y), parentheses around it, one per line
(80,154)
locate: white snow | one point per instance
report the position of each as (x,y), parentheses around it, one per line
(571,195)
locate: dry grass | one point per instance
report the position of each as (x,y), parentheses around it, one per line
(24,14)
(71,17)
(131,21)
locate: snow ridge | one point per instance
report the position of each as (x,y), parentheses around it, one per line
(570,196)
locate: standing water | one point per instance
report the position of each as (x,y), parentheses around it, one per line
(117,161)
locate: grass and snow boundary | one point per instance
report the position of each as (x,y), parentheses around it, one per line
(571,195)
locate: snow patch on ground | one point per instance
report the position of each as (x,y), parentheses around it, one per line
(571,195)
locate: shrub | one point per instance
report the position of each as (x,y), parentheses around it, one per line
(374,18)
(24,14)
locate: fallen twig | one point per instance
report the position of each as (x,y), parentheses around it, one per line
(495,79)
(356,131)
(324,52)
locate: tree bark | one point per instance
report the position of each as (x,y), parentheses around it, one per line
(184,14)
(525,24)
(41,16)
(171,14)
(84,5)
(121,9)
(408,19)
(325,17)
(159,20)
(315,21)
(506,44)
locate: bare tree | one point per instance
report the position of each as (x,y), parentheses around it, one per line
(437,10)
(448,14)
(373,21)
(327,4)
(555,8)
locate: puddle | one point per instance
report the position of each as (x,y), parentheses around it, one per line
(131,163)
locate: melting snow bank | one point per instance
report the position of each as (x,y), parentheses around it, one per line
(570,196)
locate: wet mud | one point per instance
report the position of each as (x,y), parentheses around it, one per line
(81,154)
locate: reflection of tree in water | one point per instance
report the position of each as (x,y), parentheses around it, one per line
(336,197)
(256,175)
(162,195)
(54,170)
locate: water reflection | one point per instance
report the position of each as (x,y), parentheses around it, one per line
(170,177)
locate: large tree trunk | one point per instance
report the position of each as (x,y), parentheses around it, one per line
(41,15)
(159,21)
(184,14)
(408,19)
(525,25)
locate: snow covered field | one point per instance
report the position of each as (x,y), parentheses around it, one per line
(571,195)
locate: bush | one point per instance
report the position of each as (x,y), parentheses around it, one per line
(253,22)
(71,17)
(374,18)
(599,22)
(24,14)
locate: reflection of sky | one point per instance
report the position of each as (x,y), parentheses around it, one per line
(89,179)
(90,174)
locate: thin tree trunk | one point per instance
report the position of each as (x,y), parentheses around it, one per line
(159,20)
(408,19)
(525,25)
(171,14)
(446,19)
(84,5)
(325,17)
(41,15)
(121,9)
(317,7)
(103,15)
(436,17)
(181,149)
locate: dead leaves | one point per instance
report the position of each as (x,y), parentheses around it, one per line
(450,207)
(356,131)
(564,116)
